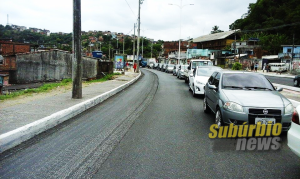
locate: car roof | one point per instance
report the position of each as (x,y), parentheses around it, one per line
(208,67)
(200,60)
(238,72)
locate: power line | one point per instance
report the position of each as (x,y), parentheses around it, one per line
(130,8)
(272,28)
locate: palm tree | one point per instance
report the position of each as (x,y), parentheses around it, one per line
(215,29)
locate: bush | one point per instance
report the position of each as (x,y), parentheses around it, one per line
(236,66)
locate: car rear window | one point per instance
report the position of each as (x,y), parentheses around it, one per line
(206,71)
(243,80)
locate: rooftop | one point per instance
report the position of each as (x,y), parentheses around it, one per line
(216,36)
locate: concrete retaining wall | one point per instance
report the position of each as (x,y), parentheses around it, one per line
(49,66)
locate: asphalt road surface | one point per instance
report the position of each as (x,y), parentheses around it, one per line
(153,129)
(281,80)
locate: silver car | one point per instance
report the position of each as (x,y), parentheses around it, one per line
(180,72)
(169,68)
(238,97)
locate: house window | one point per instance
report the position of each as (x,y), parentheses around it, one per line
(289,50)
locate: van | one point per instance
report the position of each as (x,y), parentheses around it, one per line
(278,67)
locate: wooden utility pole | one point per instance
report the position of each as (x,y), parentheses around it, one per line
(134,45)
(77,61)
(138,40)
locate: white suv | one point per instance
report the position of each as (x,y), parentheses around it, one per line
(193,64)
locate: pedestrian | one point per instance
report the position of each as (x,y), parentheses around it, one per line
(264,67)
(255,67)
(268,68)
(252,66)
(134,66)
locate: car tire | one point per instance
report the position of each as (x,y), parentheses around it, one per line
(194,94)
(206,109)
(185,80)
(296,82)
(219,119)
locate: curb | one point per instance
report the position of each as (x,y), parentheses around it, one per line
(15,137)
(282,76)
(287,87)
(295,103)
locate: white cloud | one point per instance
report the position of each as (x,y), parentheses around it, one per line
(159,19)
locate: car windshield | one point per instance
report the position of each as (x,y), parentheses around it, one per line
(201,63)
(184,67)
(206,71)
(246,81)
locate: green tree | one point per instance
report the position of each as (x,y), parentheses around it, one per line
(215,29)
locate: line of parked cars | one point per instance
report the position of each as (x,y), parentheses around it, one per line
(238,97)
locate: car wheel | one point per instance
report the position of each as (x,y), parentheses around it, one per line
(194,90)
(218,119)
(185,80)
(205,107)
(296,82)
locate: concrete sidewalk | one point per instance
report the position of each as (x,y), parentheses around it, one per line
(282,75)
(51,110)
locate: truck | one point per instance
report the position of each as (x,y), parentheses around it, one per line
(151,62)
(143,62)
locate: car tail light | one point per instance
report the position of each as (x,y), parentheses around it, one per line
(295,117)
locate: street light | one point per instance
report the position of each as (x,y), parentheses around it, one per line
(180,7)
(139,30)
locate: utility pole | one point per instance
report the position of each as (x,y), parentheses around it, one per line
(138,41)
(151,48)
(77,61)
(134,45)
(123,44)
(293,51)
(180,7)
(109,50)
(117,44)
(179,55)
(142,46)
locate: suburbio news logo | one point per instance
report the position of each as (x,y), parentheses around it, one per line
(250,137)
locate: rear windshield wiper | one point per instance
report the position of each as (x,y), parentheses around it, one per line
(237,87)
(258,88)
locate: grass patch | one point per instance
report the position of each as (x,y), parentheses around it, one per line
(51,86)
(105,78)
(43,88)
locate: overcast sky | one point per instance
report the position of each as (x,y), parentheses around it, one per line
(159,20)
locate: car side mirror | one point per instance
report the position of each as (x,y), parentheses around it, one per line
(213,87)
(279,89)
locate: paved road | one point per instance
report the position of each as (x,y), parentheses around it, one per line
(168,139)
(281,80)
(77,148)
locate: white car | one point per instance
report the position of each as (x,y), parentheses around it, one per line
(193,64)
(199,78)
(294,133)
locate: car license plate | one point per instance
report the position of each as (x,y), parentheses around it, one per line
(265,120)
